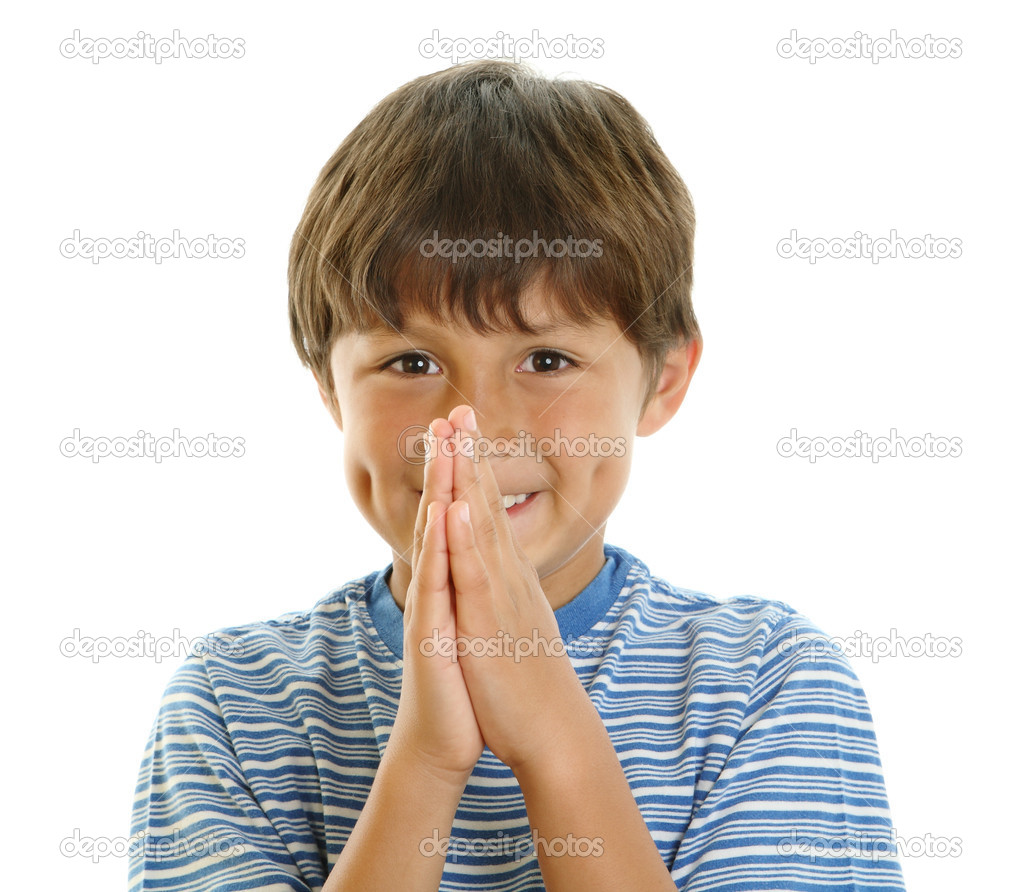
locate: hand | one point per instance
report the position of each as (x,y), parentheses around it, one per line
(524,691)
(435,723)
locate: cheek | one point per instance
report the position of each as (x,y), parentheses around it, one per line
(601,430)
(358,475)
(601,433)
(382,483)
(374,467)
(612,467)
(597,479)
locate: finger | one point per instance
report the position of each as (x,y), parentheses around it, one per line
(436,487)
(465,466)
(470,576)
(420,525)
(441,427)
(474,482)
(428,605)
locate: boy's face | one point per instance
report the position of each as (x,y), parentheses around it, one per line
(581,387)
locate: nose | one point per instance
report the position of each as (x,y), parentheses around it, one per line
(498,413)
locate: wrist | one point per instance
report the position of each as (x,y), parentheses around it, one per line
(565,741)
(405,759)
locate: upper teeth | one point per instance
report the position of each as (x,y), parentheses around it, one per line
(514,500)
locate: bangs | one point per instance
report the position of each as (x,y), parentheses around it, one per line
(483,293)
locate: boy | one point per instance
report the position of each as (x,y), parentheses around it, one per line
(512,704)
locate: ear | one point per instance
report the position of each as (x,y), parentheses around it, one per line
(679,365)
(330,402)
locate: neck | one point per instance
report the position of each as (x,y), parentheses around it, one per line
(560,584)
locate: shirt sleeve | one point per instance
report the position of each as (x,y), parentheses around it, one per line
(196,826)
(799,802)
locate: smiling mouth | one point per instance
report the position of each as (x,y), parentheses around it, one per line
(512,500)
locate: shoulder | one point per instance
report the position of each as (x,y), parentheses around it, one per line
(765,636)
(261,652)
(668,605)
(328,621)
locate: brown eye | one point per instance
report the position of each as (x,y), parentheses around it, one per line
(547,361)
(414,364)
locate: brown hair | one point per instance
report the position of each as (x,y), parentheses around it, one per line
(487,150)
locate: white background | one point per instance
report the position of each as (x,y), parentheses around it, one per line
(765,144)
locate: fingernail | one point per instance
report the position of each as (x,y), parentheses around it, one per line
(469,420)
(463,512)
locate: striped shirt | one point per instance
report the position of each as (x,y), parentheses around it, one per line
(748,746)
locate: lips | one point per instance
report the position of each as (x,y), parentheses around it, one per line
(511,501)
